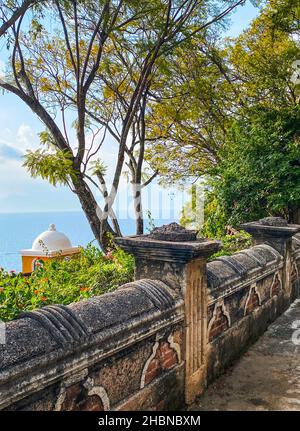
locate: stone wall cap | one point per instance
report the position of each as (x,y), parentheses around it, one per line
(234,269)
(147,239)
(273,221)
(272,226)
(143,246)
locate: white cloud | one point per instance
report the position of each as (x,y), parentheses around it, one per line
(14,145)
(26,139)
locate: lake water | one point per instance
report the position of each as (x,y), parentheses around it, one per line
(17,232)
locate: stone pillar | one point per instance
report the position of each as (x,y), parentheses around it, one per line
(276,232)
(175,256)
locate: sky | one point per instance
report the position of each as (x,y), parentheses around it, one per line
(19,130)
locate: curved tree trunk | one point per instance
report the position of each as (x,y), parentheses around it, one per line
(101,229)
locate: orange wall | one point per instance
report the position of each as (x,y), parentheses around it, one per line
(27,263)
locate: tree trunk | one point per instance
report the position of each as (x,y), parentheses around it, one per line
(139,223)
(101,229)
(137,202)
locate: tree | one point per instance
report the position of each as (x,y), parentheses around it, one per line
(11,11)
(254,83)
(193,114)
(263,58)
(259,171)
(67,71)
(286,16)
(262,143)
(217,80)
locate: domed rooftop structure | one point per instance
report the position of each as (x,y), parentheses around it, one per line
(51,240)
(50,243)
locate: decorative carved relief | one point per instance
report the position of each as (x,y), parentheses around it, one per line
(165,355)
(175,346)
(82,396)
(253,300)
(219,322)
(276,286)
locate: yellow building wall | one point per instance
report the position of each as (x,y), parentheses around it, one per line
(27,263)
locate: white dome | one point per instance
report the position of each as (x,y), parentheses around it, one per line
(51,240)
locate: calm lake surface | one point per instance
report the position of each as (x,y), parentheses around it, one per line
(17,231)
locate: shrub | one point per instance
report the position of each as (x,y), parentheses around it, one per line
(215,227)
(233,243)
(259,170)
(62,281)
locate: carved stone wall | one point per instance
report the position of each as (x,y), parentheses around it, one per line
(155,343)
(246,293)
(119,350)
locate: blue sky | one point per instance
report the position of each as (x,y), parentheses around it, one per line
(18,131)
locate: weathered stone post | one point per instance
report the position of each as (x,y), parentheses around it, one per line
(276,232)
(175,256)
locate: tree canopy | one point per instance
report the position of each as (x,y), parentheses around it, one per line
(259,171)
(12,10)
(241,131)
(215,81)
(95,69)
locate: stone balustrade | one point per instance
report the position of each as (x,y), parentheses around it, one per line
(155,343)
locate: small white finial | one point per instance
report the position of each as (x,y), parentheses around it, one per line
(52,227)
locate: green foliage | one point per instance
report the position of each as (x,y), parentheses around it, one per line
(57,168)
(286,15)
(187,126)
(262,58)
(257,168)
(62,281)
(232,244)
(97,167)
(150,221)
(47,139)
(215,216)
(213,84)
(215,225)
(259,173)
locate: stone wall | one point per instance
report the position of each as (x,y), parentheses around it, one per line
(122,350)
(153,344)
(295,267)
(247,291)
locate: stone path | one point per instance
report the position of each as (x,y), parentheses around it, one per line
(267,377)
